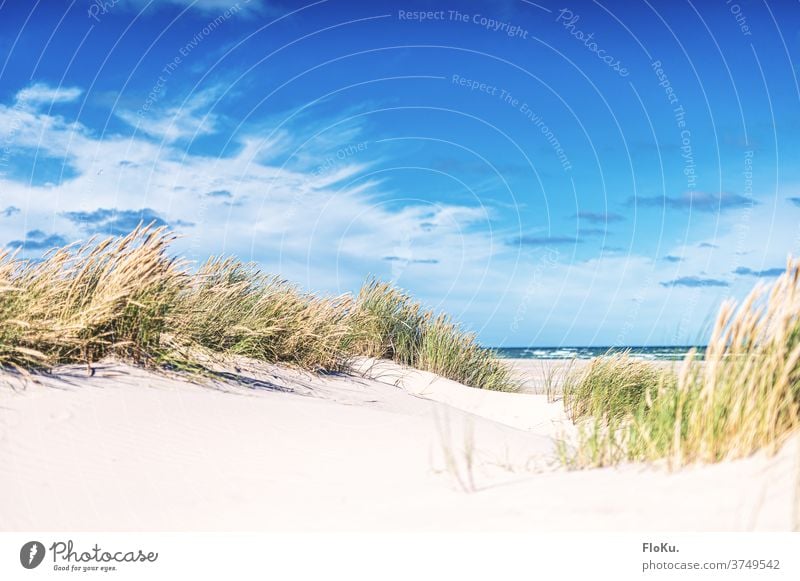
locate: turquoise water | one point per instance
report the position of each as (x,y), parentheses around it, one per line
(663,353)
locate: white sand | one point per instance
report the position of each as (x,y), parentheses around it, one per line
(282,450)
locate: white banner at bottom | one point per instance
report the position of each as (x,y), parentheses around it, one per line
(389,556)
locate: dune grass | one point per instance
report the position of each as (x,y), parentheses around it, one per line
(744,396)
(390,324)
(128,297)
(234,308)
(83,302)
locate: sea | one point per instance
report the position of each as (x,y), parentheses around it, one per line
(657,353)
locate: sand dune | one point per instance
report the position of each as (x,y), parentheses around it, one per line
(269,448)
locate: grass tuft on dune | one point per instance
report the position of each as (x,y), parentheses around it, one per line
(83,302)
(391,325)
(744,396)
(128,297)
(232,307)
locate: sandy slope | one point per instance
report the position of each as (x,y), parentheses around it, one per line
(275,449)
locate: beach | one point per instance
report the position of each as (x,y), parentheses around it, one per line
(263,447)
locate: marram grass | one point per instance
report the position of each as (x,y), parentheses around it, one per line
(129,298)
(230,307)
(83,302)
(390,324)
(744,396)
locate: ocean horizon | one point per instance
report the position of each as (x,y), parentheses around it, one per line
(652,353)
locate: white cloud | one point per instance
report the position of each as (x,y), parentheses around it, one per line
(187,121)
(244,7)
(42,94)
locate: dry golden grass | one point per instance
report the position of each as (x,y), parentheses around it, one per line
(744,396)
(388,323)
(127,297)
(231,307)
(83,302)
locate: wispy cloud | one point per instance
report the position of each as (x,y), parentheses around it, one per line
(599,217)
(594,232)
(769,272)
(535,240)
(707,245)
(697,201)
(411,260)
(207,6)
(42,94)
(694,281)
(219,194)
(10,211)
(117,222)
(671,258)
(794,200)
(544,240)
(188,120)
(38,240)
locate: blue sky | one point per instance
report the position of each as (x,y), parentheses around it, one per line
(575,173)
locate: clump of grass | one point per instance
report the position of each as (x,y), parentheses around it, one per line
(448,351)
(625,409)
(610,387)
(83,302)
(231,307)
(390,324)
(129,298)
(744,396)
